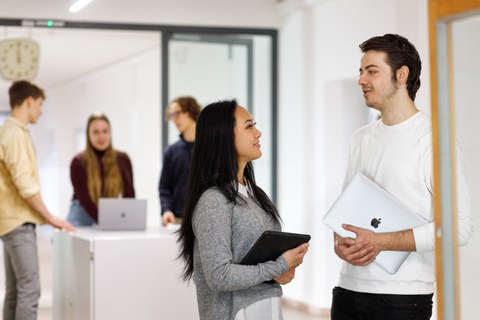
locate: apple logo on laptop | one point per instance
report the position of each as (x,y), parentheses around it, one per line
(376,222)
(123,215)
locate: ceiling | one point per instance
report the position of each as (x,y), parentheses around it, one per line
(66,54)
(69,54)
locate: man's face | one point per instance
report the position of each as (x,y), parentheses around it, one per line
(182,120)
(34,108)
(376,80)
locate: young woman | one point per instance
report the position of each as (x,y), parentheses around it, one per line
(225,213)
(98,172)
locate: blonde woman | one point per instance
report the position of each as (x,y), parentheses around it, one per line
(99,171)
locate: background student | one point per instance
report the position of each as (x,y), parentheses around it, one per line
(99,171)
(21,204)
(226,212)
(183,112)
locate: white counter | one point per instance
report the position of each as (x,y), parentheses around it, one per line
(105,275)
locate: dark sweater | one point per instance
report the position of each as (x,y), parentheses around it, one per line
(173,179)
(78,175)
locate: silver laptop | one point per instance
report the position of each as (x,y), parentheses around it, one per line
(365,204)
(122,214)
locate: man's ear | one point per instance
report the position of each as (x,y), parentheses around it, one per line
(402,75)
(28,101)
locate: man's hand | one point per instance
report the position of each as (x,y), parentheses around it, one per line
(60,224)
(365,235)
(36,203)
(168,217)
(384,241)
(357,252)
(367,245)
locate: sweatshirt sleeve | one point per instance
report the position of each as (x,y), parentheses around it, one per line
(425,235)
(464,215)
(213,232)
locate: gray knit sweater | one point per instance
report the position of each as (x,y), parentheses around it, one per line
(224,233)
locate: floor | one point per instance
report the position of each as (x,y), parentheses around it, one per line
(45,306)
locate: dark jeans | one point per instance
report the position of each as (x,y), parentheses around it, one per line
(351,305)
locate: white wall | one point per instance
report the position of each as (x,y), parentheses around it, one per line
(128,93)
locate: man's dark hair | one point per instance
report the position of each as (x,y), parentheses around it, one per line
(189,105)
(400,52)
(21,90)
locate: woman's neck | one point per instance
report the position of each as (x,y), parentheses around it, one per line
(240,177)
(99,153)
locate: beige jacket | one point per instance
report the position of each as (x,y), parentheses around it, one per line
(19,178)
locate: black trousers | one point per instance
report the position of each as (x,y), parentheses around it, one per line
(351,305)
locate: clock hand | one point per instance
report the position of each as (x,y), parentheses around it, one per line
(19,56)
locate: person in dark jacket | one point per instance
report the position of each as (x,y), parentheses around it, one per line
(183,112)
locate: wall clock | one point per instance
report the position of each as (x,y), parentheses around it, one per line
(18,59)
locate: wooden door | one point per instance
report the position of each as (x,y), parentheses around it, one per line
(441,14)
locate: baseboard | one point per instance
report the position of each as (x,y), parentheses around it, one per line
(306,308)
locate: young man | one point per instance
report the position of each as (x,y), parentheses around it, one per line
(396,153)
(184,112)
(21,207)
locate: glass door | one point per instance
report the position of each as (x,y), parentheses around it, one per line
(212,67)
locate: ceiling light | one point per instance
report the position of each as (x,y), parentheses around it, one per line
(78,5)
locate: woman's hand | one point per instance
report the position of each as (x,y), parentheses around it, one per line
(286,277)
(295,256)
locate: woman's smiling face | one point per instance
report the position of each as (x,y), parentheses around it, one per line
(247,137)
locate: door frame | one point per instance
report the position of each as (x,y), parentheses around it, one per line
(441,14)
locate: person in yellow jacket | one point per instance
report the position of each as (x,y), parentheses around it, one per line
(21,205)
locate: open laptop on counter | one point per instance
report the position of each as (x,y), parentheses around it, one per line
(122,214)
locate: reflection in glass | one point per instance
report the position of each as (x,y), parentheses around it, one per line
(466,80)
(215,67)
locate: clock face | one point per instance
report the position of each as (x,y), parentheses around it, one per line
(18,59)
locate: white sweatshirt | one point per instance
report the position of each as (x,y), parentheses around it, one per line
(399,159)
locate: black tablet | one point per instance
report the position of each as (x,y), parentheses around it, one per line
(271,245)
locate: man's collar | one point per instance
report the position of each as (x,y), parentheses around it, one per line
(16,122)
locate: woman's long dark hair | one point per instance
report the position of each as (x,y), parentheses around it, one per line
(214,164)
